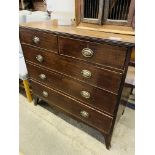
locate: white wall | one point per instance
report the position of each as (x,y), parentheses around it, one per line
(67,6)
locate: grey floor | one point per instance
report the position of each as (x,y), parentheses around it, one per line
(47,132)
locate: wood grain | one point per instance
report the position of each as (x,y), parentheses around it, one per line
(99,99)
(103,54)
(47,41)
(72,31)
(77,11)
(101,77)
(63,64)
(97,119)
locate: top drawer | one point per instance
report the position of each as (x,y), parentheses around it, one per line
(40,39)
(103,54)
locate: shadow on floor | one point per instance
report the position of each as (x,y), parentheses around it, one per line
(91,131)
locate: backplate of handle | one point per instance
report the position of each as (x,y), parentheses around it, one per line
(84,114)
(42,76)
(87,52)
(86,73)
(85,94)
(39,58)
(36,39)
(45,94)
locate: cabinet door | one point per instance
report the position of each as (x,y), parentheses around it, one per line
(92,11)
(119,12)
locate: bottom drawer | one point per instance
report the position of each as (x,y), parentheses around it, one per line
(87,114)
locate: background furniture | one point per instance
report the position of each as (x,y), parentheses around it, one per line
(130,78)
(130,83)
(79,72)
(112,12)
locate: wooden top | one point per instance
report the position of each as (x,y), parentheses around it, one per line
(73,30)
(108,28)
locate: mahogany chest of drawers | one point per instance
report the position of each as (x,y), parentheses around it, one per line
(82,75)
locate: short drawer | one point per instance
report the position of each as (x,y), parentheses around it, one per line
(103,78)
(39,38)
(103,54)
(87,114)
(88,94)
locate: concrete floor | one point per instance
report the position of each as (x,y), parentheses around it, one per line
(46,132)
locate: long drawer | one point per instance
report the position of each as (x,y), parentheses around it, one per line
(103,54)
(103,78)
(92,96)
(87,114)
(39,39)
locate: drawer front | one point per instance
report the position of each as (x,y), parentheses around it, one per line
(100,77)
(103,54)
(89,115)
(95,97)
(40,39)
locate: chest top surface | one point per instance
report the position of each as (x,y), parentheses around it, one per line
(122,39)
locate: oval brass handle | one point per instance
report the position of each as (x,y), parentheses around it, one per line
(45,94)
(42,76)
(86,52)
(85,94)
(36,39)
(39,58)
(84,114)
(86,73)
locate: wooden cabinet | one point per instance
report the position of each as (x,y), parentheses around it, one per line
(111,12)
(82,75)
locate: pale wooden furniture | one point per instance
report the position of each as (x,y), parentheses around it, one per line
(105,12)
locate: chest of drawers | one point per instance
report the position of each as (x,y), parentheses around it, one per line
(78,72)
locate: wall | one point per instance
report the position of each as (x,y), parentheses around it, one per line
(67,6)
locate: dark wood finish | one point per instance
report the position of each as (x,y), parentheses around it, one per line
(64,81)
(97,119)
(116,114)
(124,99)
(47,41)
(104,54)
(101,77)
(36,99)
(108,141)
(99,99)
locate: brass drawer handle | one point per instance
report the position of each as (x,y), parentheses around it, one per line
(39,58)
(36,39)
(45,94)
(86,52)
(42,76)
(86,73)
(85,94)
(84,114)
